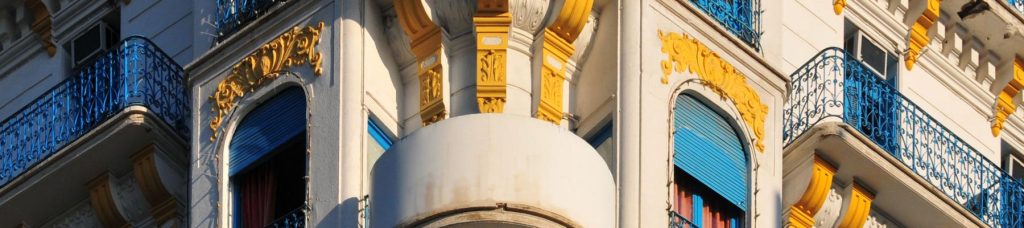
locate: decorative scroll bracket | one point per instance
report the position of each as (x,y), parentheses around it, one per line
(492,22)
(801,214)
(425,40)
(295,47)
(42,25)
(858,208)
(838,5)
(558,38)
(1005,105)
(919,32)
(689,55)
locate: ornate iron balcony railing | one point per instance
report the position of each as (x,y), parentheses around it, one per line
(741,17)
(136,73)
(1017,4)
(833,87)
(294,219)
(232,15)
(675,220)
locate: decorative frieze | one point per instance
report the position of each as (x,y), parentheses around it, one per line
(492,22)
(295,47)
(919,32)
(558,39)
(1005,105)
(425,40)
(689,55)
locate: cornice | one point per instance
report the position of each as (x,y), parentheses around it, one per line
(70,21)
(14,57)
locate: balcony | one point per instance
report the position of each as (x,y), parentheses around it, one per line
(136,73)
(233,15)
(675,220)
(294,219)
(1017,5)
(741,17)
(832,87)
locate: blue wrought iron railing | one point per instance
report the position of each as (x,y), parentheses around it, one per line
(1017,4)
(232,15)
(675,220)
(136,73)
(741,17)
(294,219)
(832,86)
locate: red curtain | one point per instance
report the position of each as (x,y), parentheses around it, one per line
(258,189)
(713,214)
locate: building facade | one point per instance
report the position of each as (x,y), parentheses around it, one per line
(511,113)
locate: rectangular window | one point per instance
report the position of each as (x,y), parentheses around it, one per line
(884,63)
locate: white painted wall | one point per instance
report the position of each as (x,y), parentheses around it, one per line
(484,159)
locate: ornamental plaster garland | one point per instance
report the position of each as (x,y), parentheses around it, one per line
(689,55)
(295,47)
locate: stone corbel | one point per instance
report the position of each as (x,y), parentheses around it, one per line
(103,202)
(858,206)
(819,183)
(492,22)
(42,25)
(918,34)
(425,40)
(163,204)
(1005,105)
(558,39)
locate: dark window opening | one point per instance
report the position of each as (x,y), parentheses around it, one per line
(699,206)
(272,188)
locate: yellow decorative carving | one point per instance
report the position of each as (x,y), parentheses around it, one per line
(802,213)
(425,40)
(42,25)
(294,47)
(838,5)
(1004,105)
(102,201)
(858,209)
(491,20)
(688,54)
(558,38)
(919,32)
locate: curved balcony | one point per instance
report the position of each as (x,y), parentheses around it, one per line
(833,87)
(741,17)
(136,73)
(232,15)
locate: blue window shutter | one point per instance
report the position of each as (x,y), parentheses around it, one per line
(698,209)
(378,135)
(273,123)
(708,148)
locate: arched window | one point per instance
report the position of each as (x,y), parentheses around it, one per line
(711,176)
(267,162)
